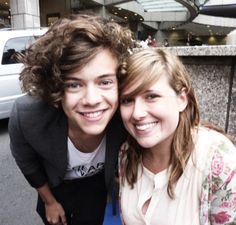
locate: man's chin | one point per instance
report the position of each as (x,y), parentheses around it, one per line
(94,131)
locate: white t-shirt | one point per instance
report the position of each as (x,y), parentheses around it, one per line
(82,164)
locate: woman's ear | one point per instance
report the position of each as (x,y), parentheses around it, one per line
(182,100)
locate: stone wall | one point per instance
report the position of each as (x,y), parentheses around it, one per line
(211,79)
(213,74)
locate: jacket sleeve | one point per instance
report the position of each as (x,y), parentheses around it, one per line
(26,158)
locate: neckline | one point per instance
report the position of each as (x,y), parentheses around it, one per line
(88,153)
(159,179)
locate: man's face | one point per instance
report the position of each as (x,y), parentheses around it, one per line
(91,95)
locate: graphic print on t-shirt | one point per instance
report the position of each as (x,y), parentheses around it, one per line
(82,164)
(88,170)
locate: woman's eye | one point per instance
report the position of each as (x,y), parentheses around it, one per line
(152,96)
(125,101)
(106,82)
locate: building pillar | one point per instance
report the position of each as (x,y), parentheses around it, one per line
(25,14)
(102,11)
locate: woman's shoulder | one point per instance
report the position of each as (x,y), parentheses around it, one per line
(219,183)
(214,140)
(211,146)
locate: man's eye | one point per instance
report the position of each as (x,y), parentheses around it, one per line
(72,86)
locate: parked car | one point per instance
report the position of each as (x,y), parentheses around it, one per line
(12,42)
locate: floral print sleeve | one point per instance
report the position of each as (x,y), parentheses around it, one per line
(218,196)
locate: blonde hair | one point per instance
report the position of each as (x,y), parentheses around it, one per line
(147,66)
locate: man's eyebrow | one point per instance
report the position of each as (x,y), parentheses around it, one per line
(99,77)
(71,78)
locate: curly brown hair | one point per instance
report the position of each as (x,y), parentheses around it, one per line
(69,44)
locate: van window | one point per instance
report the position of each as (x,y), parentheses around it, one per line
(14,46)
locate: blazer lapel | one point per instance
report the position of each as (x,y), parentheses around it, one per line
(116,135)
(58,134)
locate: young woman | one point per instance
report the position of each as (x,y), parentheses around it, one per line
(64,133)
(173,170)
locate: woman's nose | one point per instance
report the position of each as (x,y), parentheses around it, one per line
(139,110)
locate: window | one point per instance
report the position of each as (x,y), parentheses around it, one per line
(14,46)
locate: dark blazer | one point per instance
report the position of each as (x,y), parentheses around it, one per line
(38,140)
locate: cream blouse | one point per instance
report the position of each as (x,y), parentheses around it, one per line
(204,194)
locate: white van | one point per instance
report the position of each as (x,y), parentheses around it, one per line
(11,42)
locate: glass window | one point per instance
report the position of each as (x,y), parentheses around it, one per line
(14,46)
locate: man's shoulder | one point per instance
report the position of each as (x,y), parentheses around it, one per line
(29,102)
(30,107)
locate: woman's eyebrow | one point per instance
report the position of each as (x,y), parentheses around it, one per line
(107,75)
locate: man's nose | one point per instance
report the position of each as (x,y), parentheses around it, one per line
(91,96)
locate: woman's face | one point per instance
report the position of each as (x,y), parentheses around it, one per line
(152,116)
(91,95)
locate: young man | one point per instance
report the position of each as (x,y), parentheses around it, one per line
(65,134)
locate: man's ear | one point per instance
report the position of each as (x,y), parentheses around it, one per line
(182,100)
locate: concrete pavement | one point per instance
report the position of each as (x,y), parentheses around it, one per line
(17,198)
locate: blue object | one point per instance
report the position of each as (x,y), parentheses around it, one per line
(110,218)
